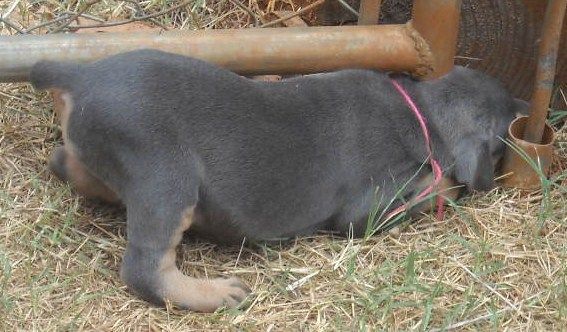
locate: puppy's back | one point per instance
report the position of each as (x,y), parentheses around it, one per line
(143,64)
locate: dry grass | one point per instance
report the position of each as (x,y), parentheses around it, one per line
(497,262)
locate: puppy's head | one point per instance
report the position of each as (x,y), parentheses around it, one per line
(473,114)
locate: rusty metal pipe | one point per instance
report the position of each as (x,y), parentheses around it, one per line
(369,12)
(532,135)
(246,51)
(518,173)
(438,23)
(547,63)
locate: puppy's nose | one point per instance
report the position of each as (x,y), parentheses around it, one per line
(57,163)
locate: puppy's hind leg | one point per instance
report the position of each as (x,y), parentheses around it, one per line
(67,167)
(154,231)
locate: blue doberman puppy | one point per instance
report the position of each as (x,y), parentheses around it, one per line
(184,145)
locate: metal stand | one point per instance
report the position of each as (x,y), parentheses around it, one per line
(531,134)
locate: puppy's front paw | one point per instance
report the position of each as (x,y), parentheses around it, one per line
(227,292)
(204,295)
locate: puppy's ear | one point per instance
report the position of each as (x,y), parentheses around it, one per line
(521,108)
(473,165)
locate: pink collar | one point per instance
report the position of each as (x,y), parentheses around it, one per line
(437,171)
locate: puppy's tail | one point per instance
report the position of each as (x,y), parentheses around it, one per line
(52,74)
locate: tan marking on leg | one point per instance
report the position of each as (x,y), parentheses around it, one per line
(449,188)
(84,182)
(63,106)
(201,295)
(78,175)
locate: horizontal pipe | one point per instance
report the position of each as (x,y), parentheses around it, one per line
(246,51)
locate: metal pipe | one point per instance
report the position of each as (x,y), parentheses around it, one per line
(547,63)
(246,51)
(531,135)
(438,23)
(369,12)
(517,171)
